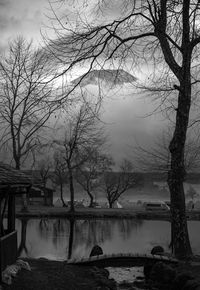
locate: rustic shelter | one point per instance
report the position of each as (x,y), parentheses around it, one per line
(40,195)
(12,182)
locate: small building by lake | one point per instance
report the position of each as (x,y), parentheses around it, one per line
(39,195)
(13,183)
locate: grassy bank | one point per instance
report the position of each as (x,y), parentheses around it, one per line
(42,211)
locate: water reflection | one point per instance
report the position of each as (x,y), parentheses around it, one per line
(71,238)
(64,238)
(22,246)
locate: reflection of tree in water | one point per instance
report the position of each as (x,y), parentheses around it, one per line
(45,228)
(22,245)
(91,232)
(59,229)
(85,233)
(53,228)
(71,237)
(127,226)
(77,232)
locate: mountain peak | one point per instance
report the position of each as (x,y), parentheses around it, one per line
(110,76)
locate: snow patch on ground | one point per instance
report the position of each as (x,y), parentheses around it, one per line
(125,275)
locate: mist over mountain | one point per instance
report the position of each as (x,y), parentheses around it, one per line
(112,77)
(123,114)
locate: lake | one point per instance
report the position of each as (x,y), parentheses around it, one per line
(60,239)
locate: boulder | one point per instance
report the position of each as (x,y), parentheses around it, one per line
(157,250)
(162,273)
(191,285)
(101,276)
(181,280)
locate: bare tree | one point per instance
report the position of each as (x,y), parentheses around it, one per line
(191,193)
(157,157)
(116,183)
(80,132)
(88,173)
(45,166)
(25,96)
(60,171)
(166,35)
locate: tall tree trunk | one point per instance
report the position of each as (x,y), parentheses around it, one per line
(71,187)
(176,175)
(24,196)
(17,166)
(91,198)
(61,194)
(17,161)
(45,195)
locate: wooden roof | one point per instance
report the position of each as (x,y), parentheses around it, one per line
(13,177)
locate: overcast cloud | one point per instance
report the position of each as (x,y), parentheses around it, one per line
(22,17)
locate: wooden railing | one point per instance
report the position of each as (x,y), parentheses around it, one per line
(8,249)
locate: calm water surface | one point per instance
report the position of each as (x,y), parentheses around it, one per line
(60,239)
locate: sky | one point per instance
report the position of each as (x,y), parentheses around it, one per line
(125,112)
(29,18)
(22,17)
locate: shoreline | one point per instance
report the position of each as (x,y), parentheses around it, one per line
(58,275)
(89,213)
